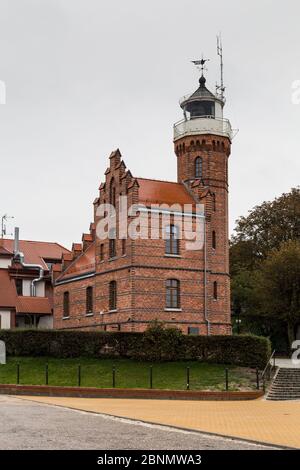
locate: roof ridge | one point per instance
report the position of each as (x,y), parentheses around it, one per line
(34,241)
(159,181)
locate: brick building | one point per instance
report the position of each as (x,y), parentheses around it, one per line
(125,283)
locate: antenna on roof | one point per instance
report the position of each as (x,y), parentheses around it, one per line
(220,88)
(3,224)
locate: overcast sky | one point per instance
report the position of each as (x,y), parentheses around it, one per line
(84,77)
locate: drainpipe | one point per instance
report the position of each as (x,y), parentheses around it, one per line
(205,279)
(19,256)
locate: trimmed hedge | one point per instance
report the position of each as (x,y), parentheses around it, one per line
(153,345)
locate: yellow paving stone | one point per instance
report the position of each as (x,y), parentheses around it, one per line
(258,420)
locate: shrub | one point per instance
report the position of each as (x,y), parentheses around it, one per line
(156,344)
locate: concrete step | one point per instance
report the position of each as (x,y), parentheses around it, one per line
(285,386)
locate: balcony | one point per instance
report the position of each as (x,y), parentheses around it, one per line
(203,125)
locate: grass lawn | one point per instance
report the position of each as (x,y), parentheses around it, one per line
(129,374)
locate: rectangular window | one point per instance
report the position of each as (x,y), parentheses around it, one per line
(172,293)
(112,295)
(123,246)
(215,290)
(66,305)
(112,248)
(19,286)
(193,330)
(172,240)
(101,252)
(89,300)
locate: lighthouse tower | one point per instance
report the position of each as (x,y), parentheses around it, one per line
(202,141)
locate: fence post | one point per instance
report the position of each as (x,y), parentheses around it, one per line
(257,379)
(151,377)
(187,378)
(79,375)
(114,377)
(46,374)
(226,379)
(18,373)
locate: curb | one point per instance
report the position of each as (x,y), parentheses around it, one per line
(92,392)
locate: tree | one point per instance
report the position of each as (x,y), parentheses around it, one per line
(257,235)
(268,225)
(278,286)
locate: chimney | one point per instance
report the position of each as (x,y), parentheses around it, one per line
(16,241)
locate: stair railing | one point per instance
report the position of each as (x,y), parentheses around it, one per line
(270,366)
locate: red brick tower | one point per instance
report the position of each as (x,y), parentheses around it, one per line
(202,143)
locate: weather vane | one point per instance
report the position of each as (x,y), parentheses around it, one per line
(200,64)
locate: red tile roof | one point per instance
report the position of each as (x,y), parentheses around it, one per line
(85,263)
(7,290)
(163,192)
(4,251)
(35,252)
(39,305)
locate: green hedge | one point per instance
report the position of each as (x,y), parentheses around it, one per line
(156,344)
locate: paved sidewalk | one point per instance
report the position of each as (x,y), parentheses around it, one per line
(30,425)
(257,420)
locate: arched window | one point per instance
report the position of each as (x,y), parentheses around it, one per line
(172,240)
(112,192)
(172,293)
(198,167)
(214,240)
(215,290)
(112,295)
(66,305)
(89,299)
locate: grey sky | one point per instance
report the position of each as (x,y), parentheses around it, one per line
(84,77)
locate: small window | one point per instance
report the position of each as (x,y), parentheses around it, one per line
(66,305)
(112,248)
(172,293)
(89,299)
(19,286)
(214,241)
(198,167)
(172,240)
(101,252)
(112,192)
(215,290)
(193,330)
(112,295)
(123,246)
